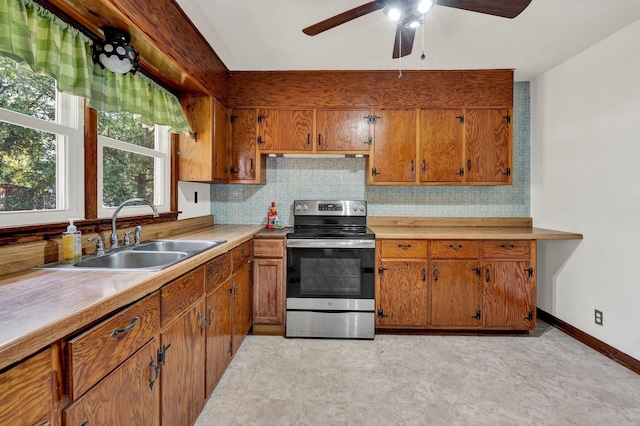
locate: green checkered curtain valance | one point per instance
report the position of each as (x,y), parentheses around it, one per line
(34,36)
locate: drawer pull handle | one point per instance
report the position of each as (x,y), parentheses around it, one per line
(488,274)
(126,329)
(455,246)
(404,246)
(507,246)
(243,251)
(435,274)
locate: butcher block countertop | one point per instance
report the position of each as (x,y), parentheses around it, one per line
(463,229)
(39,307)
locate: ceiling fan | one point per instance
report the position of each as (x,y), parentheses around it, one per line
(409,14)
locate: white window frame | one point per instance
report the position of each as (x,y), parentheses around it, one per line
(162,173)
(69,162)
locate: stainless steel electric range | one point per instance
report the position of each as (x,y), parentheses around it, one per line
(330,271)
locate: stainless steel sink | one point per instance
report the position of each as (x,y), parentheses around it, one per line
(189,246)
(141,260)
(151,256)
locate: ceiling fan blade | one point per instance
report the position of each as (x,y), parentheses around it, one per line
(503,8)
(343,17)
(408,35)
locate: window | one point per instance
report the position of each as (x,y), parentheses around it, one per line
(133,162)
(41,149)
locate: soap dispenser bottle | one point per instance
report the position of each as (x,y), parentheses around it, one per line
(71,243)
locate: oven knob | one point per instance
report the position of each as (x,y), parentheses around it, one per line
(355,208)
(361,208)
(305,207)
(298,207)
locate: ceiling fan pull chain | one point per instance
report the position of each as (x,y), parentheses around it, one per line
(400,54)
(422,29)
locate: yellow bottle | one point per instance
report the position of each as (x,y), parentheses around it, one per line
(71,243)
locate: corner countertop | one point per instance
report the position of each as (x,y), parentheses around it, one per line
(39,307)
(470,233)
(273,233)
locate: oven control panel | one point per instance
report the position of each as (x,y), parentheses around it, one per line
(329,208)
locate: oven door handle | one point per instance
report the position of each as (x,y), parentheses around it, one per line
(330,243)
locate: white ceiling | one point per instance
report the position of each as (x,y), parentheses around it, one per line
(264,35)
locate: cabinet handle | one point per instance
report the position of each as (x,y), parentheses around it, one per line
(156,369)
(507,246)
(204,322)
(319,139)
(404,246)
(488,274)
(213,315)
(455,246)
(424,165)
(251,164)
(308,138)
(424,275)
(461,172)
(435,274)
(412,165)
(478,271)
(468,165)
(243,251)
(126,329)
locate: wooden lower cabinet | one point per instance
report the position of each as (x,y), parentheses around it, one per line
(219,348)
(269,287)
(403,298)
(240,306)
(27,392)
(128,396)
(470,284)
(182,349)
(456,293)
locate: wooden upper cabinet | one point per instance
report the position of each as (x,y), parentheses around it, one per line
(203,154)
(441,146)
(281,130)
(244,151)
(220,139)
(343,130)
(394,148)
(488,146)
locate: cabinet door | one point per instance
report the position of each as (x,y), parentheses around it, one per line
(403,294)
(220,155)
(509,295)
(26,392)
(243,145)
(441,137)
(343,130)
(394,148)
(195,162)
(455,293)
(268,291)
(241,305)
(282,130)
(128,396)
(218,341)
(181,377)
(488,146)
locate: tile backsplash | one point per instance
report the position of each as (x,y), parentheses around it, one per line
(290,179)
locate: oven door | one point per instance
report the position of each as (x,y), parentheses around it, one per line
(330,269)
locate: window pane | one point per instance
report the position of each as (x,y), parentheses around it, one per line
(26,92)
(123,127)
(126,175)
(27,169)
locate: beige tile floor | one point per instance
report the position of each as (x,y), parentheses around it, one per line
(547,379)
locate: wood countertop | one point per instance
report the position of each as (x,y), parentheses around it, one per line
(39,307)
(470,233)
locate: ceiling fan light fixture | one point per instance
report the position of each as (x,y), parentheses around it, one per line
(393,11)
(414,21)
(424,6)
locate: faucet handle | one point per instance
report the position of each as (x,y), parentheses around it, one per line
(137,234)
(127,239)
(99,244)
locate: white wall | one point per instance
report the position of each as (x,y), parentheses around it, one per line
(187,199)
(585,177)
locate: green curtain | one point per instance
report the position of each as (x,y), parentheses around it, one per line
(34,36)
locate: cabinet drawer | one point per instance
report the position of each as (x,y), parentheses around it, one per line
(272,248)
(96,352)
(240,256)
(217,271)
(455,249)
(178,295)
(26,391)
(405,249)
(507,249)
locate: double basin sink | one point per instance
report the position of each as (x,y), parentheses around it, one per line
(151,256)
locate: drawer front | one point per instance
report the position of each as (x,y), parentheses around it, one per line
(26,391)
(240,256)
(404,249)
(96,352)
(217,271)
(178,295)
(455,249)
(272,248)
(520,250)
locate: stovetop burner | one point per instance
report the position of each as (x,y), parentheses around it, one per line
(317,219)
